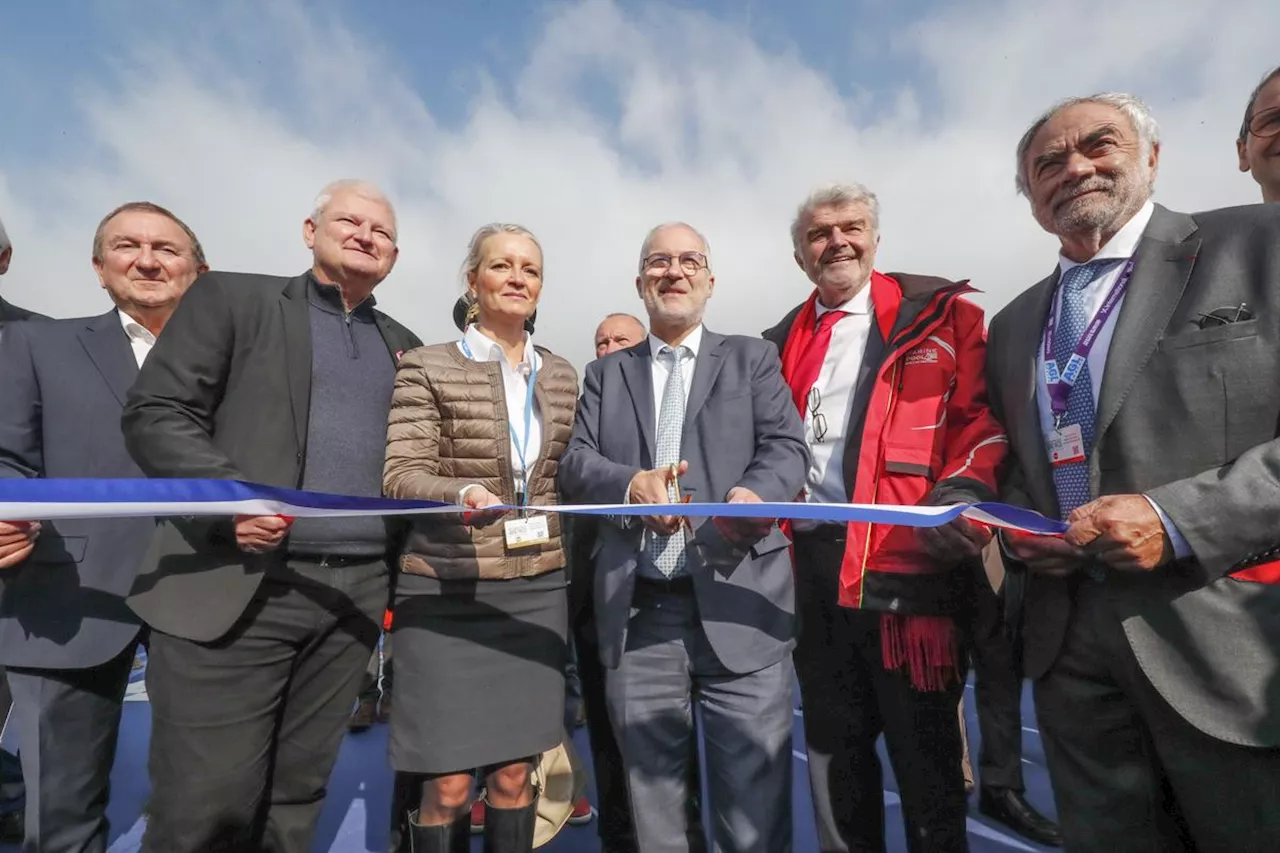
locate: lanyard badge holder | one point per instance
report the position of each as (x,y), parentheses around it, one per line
(527,530)
(1066,442)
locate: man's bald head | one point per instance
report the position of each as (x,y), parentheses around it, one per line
(618,331)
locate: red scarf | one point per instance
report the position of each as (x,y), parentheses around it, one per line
(927,646)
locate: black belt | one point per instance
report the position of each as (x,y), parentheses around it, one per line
(678,585)
(336,561)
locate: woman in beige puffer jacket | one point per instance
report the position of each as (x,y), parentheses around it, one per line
(480,609)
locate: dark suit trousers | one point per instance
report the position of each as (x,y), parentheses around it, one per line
(616,832)
(849,701)
(746,722)
(1129,774)
(245,730)
(67,722)
(997,687)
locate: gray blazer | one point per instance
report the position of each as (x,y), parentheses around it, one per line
(62,388)
(1190,417)
(741,429)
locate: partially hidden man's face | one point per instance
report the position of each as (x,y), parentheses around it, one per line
(1087,170)
(1259,151)
(837,250)
(147,260)
(675,279)
(353,239)
(617,333)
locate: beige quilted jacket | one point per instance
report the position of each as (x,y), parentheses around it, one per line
(448,428)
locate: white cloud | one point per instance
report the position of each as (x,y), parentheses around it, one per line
(620,120)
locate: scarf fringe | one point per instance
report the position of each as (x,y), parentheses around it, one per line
(927,646)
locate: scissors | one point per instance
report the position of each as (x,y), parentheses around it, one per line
(675,481)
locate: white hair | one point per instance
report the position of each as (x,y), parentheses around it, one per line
(653,232)
(1134,109)
(4,239)
(364,189)
(834,195)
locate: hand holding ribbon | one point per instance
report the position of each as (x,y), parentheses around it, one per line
(260,533)
(17,541)
(743,532)
(1123,531)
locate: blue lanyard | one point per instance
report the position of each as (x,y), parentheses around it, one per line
(522,448)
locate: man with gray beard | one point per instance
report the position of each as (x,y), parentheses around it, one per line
(1137,386)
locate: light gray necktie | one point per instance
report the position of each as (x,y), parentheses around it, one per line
(667,552)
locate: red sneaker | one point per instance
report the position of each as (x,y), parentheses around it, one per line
(477,817)
(582,812)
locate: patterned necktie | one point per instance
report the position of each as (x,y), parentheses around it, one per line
(667,552)
(1071,481)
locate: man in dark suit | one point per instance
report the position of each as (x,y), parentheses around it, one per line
(1258,144)
(66,635)
(1138,386)
(262,627)
(702,612)
(11,788)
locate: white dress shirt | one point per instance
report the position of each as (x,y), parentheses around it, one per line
(836,383)
(660,371)
(140,339)
(1121,245)
(515,382)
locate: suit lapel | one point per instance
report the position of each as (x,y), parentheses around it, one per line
(104,339)
(1165,257)
(296,318)
(705,370)
(1023,409)
(637,373)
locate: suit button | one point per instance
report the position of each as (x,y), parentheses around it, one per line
(298,456)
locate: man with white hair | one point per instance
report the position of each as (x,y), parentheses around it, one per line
(262,626)
(10,313)
(887,372)
(1137,383)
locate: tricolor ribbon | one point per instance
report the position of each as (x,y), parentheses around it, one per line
(52,499)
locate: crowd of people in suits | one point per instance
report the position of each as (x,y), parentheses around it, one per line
(1131,394)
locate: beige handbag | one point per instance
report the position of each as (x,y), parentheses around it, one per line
(559,779)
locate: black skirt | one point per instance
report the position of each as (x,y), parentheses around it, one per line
(479,671)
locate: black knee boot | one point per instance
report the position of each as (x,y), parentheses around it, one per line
(509,830)
(445,838)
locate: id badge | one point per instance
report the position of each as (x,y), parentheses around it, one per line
(525,532)
(1066,445)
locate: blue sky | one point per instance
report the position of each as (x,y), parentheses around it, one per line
(589,121)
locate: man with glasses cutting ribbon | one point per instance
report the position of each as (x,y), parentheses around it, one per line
(888,372)
(700,610)
(1138,386)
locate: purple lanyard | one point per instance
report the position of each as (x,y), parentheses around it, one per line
(1060,382)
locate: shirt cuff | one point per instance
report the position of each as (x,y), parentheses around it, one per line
(1181,548)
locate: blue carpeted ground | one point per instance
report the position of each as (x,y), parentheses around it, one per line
(356,813)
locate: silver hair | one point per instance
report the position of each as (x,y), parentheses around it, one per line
(1273,74)
(476,246)
(834,195)
(364,189)
(1134,109)
(5,243)
(653,232)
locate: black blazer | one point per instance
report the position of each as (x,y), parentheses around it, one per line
(225,394)
(62,386)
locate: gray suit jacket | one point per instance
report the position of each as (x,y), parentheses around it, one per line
(1190,417)
(62,388)
(741,429)
(10,313)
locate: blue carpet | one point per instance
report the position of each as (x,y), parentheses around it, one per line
(356,817)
